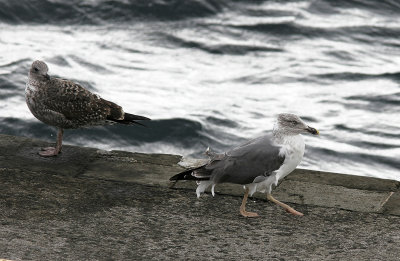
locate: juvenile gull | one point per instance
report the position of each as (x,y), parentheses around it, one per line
(257,164)
(67,105)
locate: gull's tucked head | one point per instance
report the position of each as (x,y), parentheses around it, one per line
(39,71)
(291,124)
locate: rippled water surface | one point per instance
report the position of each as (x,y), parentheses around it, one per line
(215,73)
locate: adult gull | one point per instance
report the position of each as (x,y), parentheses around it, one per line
(257,164)
(67,105)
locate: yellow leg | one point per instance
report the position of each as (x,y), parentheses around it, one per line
(286,207)
(243,206)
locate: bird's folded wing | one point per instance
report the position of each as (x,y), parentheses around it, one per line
(77,103)
(241,165)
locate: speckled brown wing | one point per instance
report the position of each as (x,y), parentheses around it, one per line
(78,105)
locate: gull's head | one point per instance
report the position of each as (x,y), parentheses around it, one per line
(39,71)
(291,124)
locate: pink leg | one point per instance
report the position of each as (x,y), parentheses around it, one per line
(243,206)
(286,207)
(51,151)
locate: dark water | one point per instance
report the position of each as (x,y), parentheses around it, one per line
(215,73)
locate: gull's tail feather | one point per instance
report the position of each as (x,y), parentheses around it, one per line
(131,119)
(200,174)
(191,174)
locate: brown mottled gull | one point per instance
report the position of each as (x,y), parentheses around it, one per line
(67,105)
(257,164)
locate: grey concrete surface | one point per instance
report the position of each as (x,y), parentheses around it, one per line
(88,204)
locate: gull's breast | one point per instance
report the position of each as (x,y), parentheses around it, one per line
(293,149)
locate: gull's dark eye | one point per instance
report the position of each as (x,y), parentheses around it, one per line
(36,69)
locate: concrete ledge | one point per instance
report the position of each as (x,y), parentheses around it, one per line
(88,204)
(369,195)
(306,187)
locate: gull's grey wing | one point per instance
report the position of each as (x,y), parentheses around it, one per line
(257,158)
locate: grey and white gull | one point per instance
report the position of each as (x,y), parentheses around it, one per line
(67,105)
(258,164)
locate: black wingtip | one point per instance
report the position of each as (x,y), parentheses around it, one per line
(130,119)
(133,117)
(185,175)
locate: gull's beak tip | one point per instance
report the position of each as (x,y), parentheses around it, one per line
(313,130)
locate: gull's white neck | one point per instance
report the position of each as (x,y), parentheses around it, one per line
(293,149)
